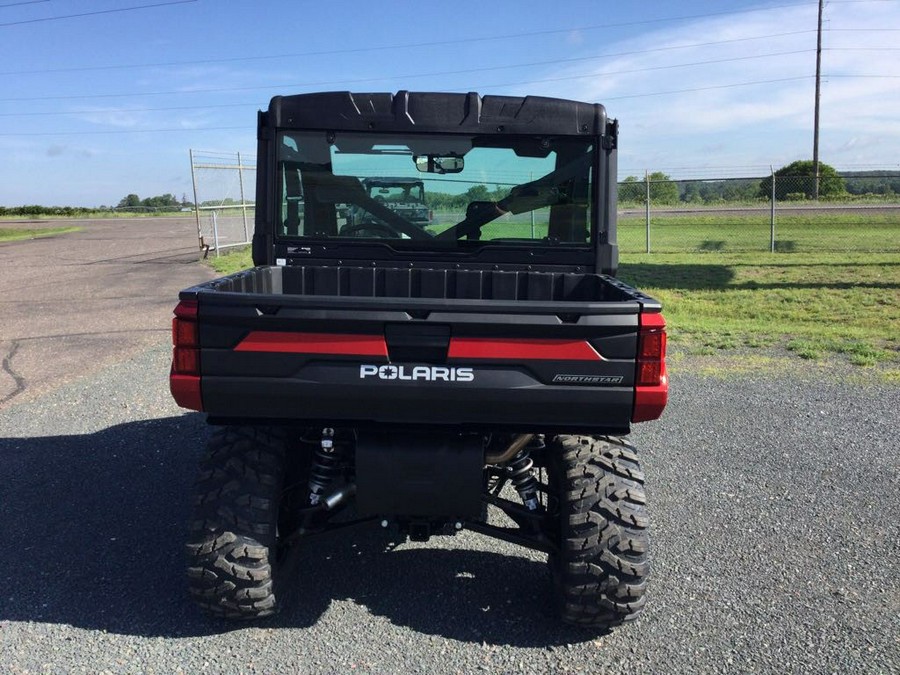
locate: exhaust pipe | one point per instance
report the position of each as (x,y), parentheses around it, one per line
(514,448)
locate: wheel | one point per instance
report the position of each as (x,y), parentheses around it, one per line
(600,572)
(233,542)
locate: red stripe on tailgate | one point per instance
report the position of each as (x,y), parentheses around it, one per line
(314,343)
(522,349)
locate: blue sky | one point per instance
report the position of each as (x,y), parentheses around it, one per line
(101,98)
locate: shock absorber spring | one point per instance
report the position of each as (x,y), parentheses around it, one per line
(324,467)
(522,477)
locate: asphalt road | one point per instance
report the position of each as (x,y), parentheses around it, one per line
(776,518)
(73,303)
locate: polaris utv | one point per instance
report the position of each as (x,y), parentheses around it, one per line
(478,374)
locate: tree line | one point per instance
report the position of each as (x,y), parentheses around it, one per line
(131,202)
(32,210)
(793,182)
(458,202)
(159,202)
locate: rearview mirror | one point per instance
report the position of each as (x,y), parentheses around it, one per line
(439,163)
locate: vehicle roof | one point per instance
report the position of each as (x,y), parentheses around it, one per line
(437,112)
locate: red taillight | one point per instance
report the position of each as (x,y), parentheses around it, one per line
(184,380)
(653,342)
(185,333)
(649,373)
(651,355)
(186,361)
(187,309)
(651,392)
(186,339)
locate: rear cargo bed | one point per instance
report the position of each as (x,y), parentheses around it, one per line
(519,350)
(445,284)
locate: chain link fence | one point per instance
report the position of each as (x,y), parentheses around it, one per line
(224,192)
(859,212)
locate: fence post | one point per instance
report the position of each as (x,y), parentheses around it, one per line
(243,201)
(647,205)
(772,214)
(196,203)
(216,232)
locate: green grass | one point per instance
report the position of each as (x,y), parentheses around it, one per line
(737,232)
(725,231)
(234,260)
(17,234)
(814,305)
(99,214)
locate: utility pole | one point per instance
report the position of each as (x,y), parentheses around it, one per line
(818,89)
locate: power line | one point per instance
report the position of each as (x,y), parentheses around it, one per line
(129,110)
(408,76)
(94,13)
(673,91)
(631,71)
(745,84)
(572,77)
(123,131)
(608,98)
(24,2)
(718,86)
(300,54)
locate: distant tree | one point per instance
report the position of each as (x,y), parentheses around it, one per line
(129,201)
(632,190)
(499,194)
(690,192)
(663,190)
(739,189)
(798,178)
(872,182)
(478,193)
(161,202)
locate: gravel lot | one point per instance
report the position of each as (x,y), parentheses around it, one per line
(775,504)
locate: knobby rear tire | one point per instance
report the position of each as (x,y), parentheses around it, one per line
(600,573)
(232,546)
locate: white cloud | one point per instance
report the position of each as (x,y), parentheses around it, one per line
(121,118)
(714,104)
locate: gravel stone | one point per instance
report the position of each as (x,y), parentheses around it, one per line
(775,510)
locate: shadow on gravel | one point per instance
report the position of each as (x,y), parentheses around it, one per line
(465,595)
(93,528)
